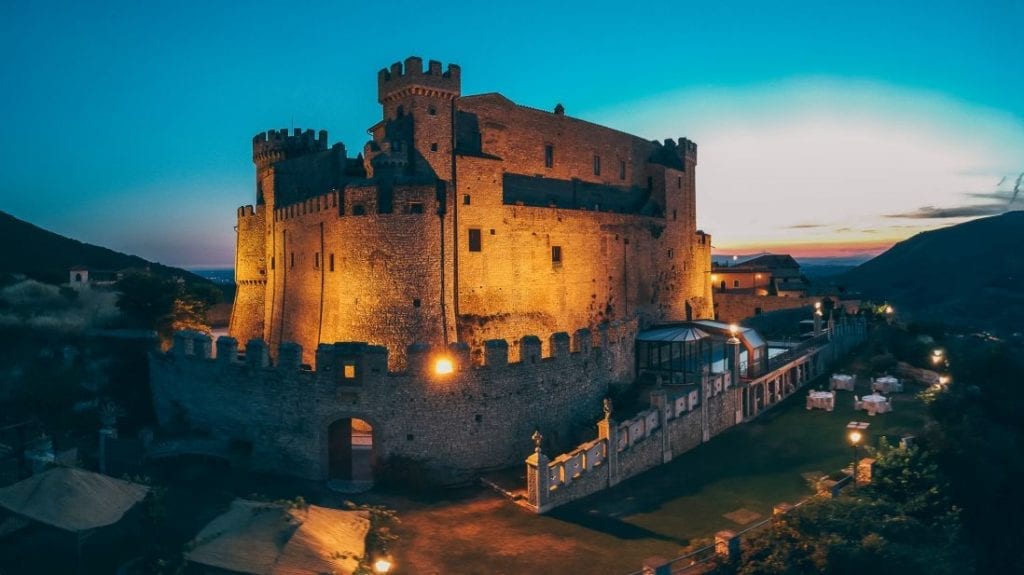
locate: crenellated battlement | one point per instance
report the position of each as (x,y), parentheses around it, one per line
(402,79)
(331,359)
(276,145)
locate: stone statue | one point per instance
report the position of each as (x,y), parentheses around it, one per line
(537,438)
(607,408)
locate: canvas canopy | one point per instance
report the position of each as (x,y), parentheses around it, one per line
(72,499)
(273,539)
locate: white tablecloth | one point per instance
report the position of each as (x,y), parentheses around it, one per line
(842,381)
(821,400)
(876,404)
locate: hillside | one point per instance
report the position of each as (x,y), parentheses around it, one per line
(968,274)
(46,256)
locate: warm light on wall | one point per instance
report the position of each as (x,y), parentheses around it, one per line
(443,366)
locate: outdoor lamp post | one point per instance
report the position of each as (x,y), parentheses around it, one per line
(855,431)
(937,356)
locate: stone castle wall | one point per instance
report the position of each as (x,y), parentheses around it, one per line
(397,228)
(477,418)
(736,307)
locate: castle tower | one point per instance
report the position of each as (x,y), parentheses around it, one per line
(274,146)
(416,132)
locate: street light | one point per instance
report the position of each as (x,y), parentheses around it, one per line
(937,356)
(443,366)
(855,431)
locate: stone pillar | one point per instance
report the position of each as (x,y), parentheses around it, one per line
(495,353)
(733,345)
(608,430)
(202,346)
(559,343)
(537,488)
(659,401)
(460,355)
(181,343)
(256,354)
(656,566)
(529,349)
(289,356)
(227,349)
(727,545)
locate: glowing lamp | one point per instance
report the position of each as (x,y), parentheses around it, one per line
(855,437)
(888,309)
(381,566)
(443,366)
(943,379)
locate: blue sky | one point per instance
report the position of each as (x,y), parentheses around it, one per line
(824,124)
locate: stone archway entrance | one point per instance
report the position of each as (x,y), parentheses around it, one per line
(350,454)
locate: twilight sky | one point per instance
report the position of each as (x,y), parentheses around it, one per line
(824,127)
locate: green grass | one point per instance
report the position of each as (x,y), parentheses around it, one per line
(661,512)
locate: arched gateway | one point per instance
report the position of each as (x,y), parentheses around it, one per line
(350,454)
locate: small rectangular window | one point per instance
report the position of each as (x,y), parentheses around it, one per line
(416,208)
(359,210)
(549,156)
(673,214)
(433,147)
(415,303)
(273,262)
(331,262)
(622,169)
(465,199)
(679,182)
(349,371)
(556,254)
(735,283)
(292,264)
(474,240)
(316,260)
(597,165)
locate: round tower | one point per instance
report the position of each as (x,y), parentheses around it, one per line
(274,146)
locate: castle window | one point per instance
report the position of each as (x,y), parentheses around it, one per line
(433,147)
(273,261)
(432,111)
(556,254)
(757,311)
(597,165)
(492,231)
(358,210)
(401,111)
(679,182)
(735,283)
(478,418)
(474,240)
(673,214)
(349,371)
(465,199)
(416,208)
(292,264)
(416,303)
(549,156)
(622,169)
(670,252)
(316,260)
(330,262)
(334,200)
(409,437)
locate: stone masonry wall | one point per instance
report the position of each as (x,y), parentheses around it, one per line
(475,419)
(734,307)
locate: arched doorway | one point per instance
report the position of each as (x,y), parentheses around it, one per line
(350,454)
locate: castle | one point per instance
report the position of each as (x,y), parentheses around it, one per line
(465,218)
(483,272)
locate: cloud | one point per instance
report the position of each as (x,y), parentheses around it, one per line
(933,213)
(804,226)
